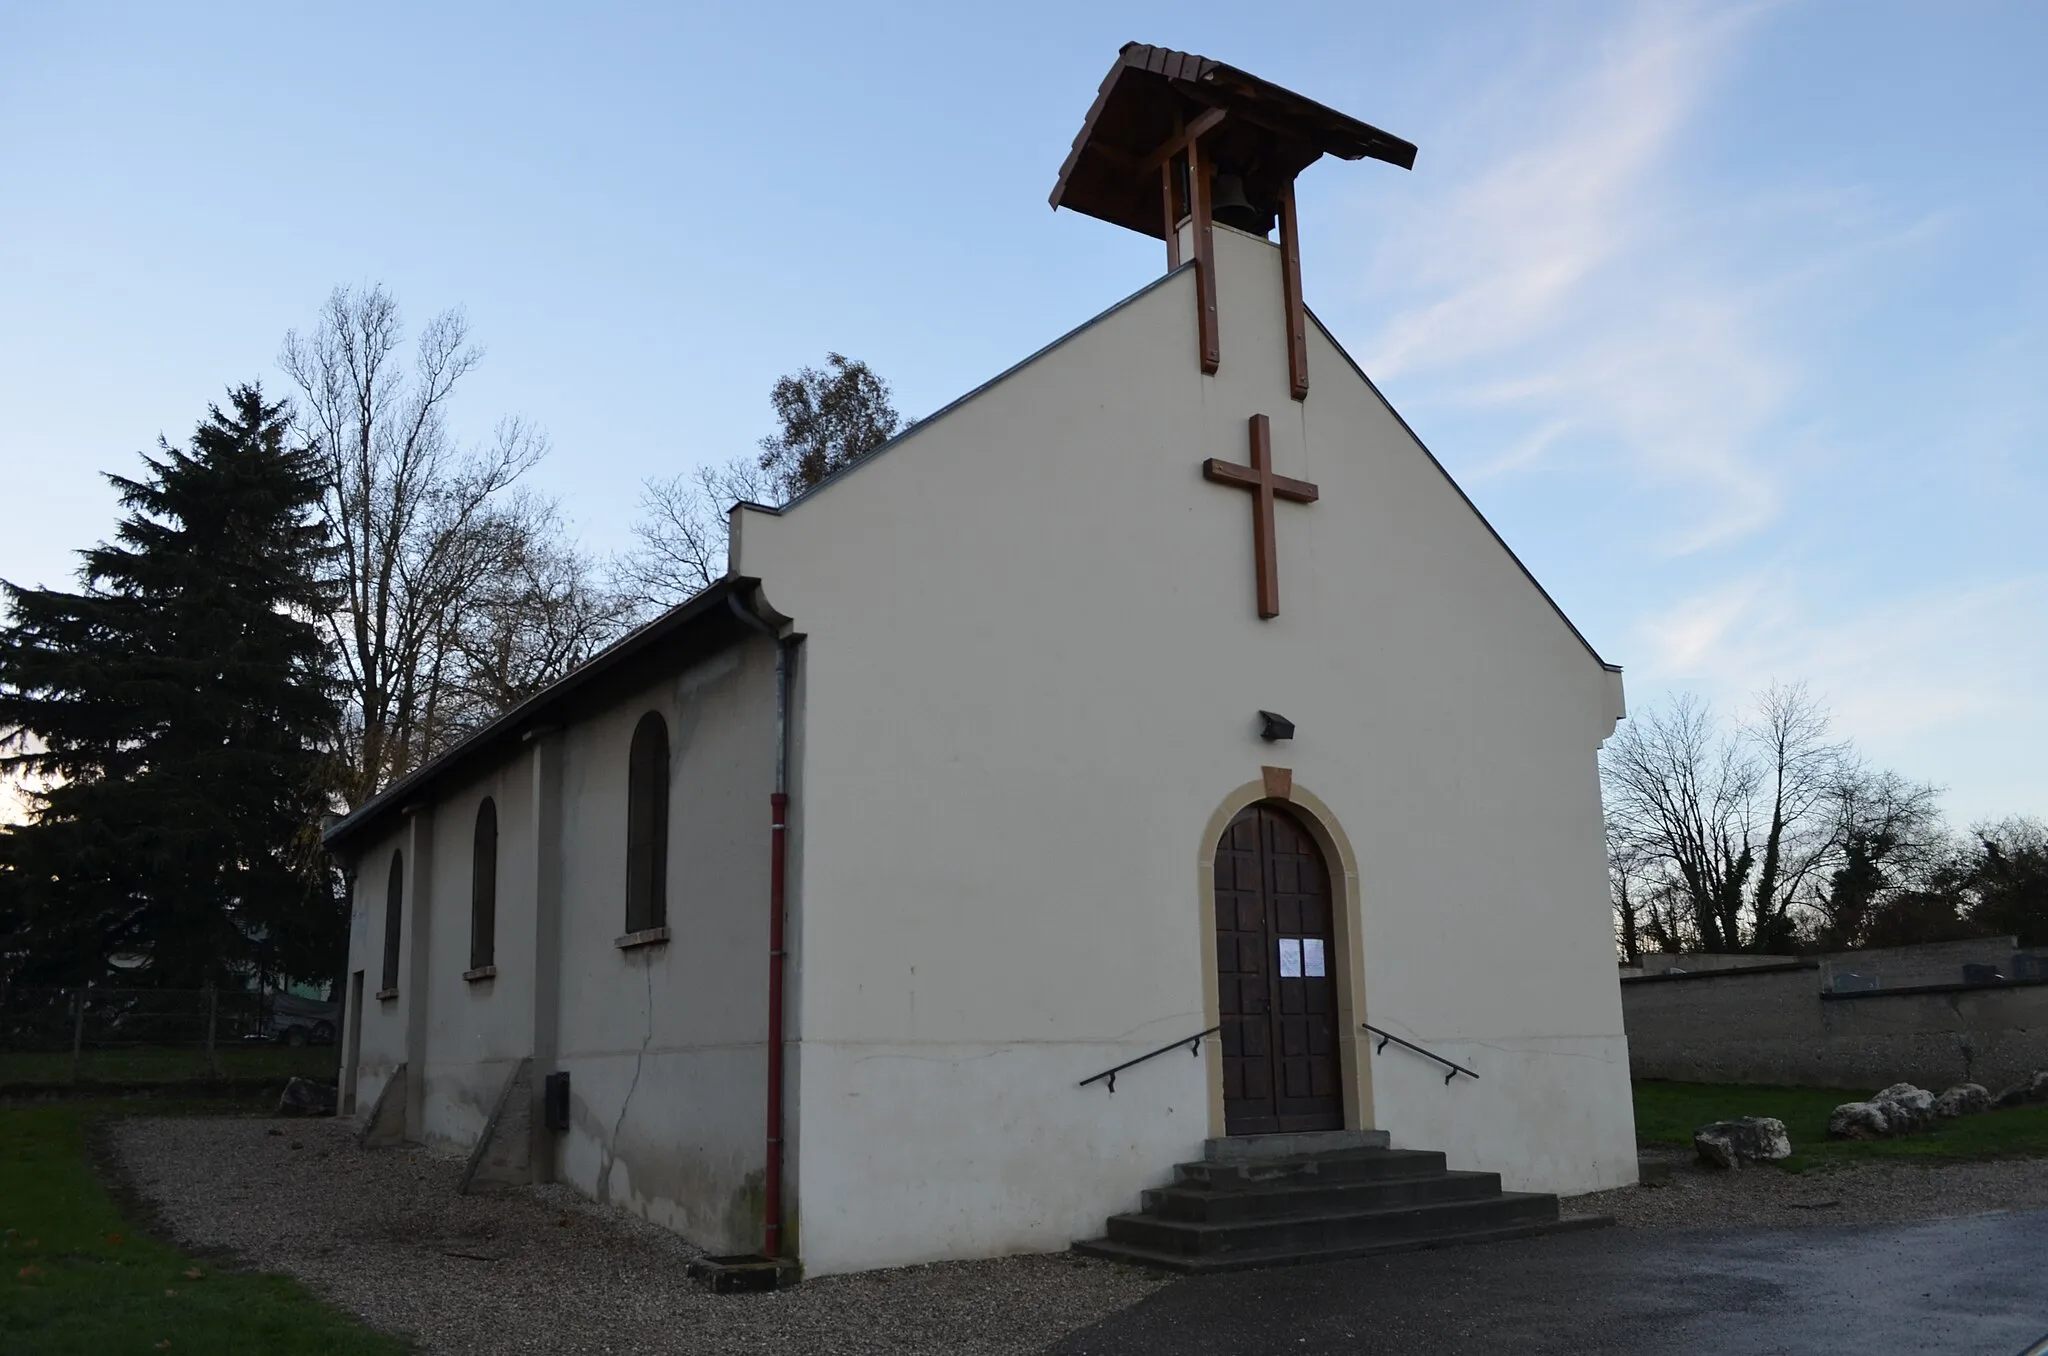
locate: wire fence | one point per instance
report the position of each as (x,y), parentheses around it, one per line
(151,1036)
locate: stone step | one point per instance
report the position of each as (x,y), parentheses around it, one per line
(1351,1165)
(1296,1196)
(1311,1232)
(1205,1263)
(1299,1144)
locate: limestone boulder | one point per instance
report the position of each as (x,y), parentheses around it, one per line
(1890,1112)
(1964,1099)
(303,1097)
(2029,1091)
(1747,1139)
(1907,1108)
(1859,1120)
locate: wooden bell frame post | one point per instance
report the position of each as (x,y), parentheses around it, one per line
(1185,183)
(1147,153)
(1146,159)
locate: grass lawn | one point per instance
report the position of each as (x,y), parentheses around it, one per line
(78,1279)
(1668,1113)
(167,1064)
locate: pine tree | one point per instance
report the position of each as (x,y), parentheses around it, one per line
(179,715)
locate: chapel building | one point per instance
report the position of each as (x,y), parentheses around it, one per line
(811,918)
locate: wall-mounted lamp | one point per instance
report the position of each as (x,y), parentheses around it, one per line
(1273,726)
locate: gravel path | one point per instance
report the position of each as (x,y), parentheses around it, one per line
(1696,1197)
(384,1234)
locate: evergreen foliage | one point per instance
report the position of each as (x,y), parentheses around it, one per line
(176,717)
(2009,880)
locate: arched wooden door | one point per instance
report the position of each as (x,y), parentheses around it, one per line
(1276,972)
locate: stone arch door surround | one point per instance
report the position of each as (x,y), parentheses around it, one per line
(1299,810)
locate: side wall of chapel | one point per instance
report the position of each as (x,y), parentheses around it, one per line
(665,1043)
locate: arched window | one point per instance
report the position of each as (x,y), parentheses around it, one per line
(647,825)
(483,888)
(394,908)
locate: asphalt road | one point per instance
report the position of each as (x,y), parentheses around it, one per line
(1974,1284)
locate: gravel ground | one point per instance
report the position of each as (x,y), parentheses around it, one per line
(384,1234)
(1696,1196)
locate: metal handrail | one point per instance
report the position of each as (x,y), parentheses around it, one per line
(1385,1036)
(1111,1074)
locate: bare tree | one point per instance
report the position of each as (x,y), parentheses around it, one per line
(1681,796)
(1776,820)
(433,538)
(545,614)
(1664,917)
(1885,840)
(685,530)
(1625,880)
(828,419)
(1800,769)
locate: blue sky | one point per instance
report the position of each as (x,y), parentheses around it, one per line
(1734,319)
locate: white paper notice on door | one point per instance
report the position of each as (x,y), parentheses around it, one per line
(1312,957)
(1290,958)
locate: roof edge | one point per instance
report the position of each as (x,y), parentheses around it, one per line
(520,718)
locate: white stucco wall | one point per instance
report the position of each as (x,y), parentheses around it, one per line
(665,1045)
(477,1032)
(382,1047)
(1031,669)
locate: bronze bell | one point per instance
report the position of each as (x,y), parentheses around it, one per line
(1229,205)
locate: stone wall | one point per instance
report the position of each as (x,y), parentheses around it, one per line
(1694,962)
(1893,967)
(1777,1025)
(1912,966)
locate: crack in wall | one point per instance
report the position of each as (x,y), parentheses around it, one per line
(611,1146)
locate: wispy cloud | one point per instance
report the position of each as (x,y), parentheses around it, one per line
(1684,641)
(1512,246)
(1897,666)
(1756,397)
(1943,683)
(1566,282)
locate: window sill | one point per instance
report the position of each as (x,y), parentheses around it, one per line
(386,995)
(644,937)
(482,972)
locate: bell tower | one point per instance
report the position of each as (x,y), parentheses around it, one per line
(1175,143)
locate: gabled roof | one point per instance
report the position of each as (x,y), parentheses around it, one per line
(694,629)
(1152,91)
(855,467)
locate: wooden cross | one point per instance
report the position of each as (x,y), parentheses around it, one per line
(1265,488)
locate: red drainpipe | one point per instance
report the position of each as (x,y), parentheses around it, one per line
(771,1243)
(778,859)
